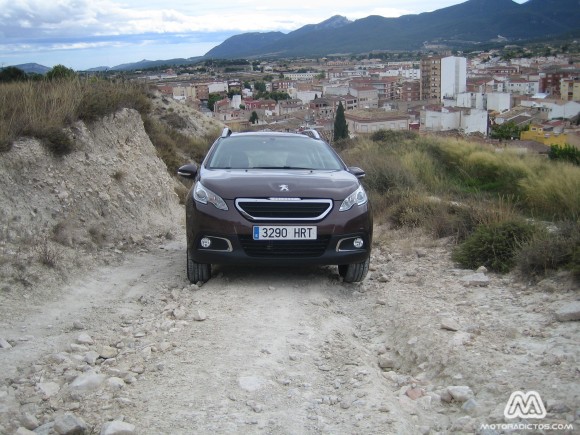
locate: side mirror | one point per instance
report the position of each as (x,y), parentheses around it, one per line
(188,171)
(357,172)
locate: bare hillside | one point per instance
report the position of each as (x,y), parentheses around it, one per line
(100,331)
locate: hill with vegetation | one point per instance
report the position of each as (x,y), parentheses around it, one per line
(480,196)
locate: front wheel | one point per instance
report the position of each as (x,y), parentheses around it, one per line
(197,272)
(354,272)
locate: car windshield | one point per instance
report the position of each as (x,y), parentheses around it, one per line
(273,152)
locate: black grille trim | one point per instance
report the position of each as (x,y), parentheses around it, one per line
(257,209)
(284,248)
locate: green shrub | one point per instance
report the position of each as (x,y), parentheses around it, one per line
(426,170)
(175,120)
(56,140)
(567,153)
(393,136)
(552,250)
(487,171)
(494,245)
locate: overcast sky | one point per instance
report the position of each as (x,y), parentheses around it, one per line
(82,34)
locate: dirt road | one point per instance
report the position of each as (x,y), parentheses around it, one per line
(416,348)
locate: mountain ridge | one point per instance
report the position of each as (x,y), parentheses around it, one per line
(470,23)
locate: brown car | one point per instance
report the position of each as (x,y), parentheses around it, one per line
(276,199)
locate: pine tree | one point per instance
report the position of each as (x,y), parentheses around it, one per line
(340,125)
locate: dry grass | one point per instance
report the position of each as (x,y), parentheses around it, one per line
(43,108)
(552,191)
(456,188)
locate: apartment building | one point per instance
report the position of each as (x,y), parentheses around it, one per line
(550,79)
(325,107)
(570,89)
(410,90)
(443,77)
(522,87)
(386,87)
(367,96)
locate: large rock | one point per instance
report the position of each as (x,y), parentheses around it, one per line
(48,389)
(117,428)
(69,424)
(475,280)
(460,393)
(87,381)
(4,344)
(568,312)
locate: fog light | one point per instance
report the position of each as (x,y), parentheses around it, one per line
(358,243)
(205,242)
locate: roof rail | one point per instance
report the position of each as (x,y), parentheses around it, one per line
(311,133)
(226,132)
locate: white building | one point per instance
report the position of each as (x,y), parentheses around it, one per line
(499,101)
(236,101)
(552,109)
(307,96)
(454,118)
(522,87)
(301,76)
(406,73)
(217,87)
(336,90)
(453,76)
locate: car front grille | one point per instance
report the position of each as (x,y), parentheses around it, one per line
(284,248)
(281,209)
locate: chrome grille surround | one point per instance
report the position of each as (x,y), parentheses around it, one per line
(284,209)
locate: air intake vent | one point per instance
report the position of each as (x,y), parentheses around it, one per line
(284,248)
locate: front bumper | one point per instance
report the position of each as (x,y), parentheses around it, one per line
(232,242)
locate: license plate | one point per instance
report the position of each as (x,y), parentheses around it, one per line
(278,232)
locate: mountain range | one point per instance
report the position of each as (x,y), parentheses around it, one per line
(467,24)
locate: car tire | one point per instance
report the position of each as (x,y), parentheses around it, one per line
(355,272)
(197,272)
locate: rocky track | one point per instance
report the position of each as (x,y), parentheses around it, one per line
(419,347)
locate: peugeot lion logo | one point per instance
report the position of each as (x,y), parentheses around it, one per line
(283,187)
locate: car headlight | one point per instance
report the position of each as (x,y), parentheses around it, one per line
(358,197)
(204,195)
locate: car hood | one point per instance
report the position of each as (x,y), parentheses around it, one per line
(267,183)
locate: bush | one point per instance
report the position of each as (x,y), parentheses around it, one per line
(173,147)
(551,251)
(500,173)
(56,140)
(175,120)
(393,136)
(494,245)
(104,98)
(567,153)
(441,218)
